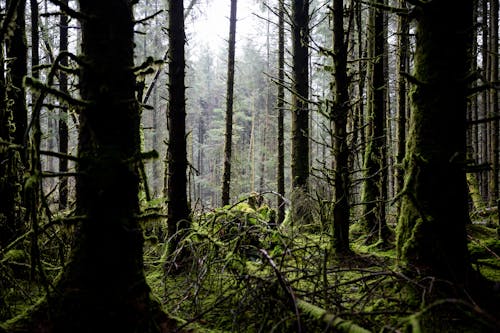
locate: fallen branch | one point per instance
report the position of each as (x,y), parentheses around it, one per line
(331,319)
(342,325)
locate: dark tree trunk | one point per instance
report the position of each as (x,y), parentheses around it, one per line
(493,106)
(10,189)
(300,88)
(63,111)
(338,119)
(228,142)
(178,208)
(401,67)
(103,288)
(17,70)
(280,106)
(431,237)
(374,186)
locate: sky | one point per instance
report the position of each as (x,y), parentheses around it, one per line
(210,23)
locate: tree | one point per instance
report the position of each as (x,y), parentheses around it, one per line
(300,88)
(493,98)
(374,190)
(63,111)
(402,68)
(103,287)
(338,118)
(280,106)
(178,209)
(431,236)
(226,178)
(17,70)
(10,168)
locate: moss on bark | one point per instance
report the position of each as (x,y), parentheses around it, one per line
(431,237)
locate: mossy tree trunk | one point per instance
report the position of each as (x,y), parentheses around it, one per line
(178,208)
(338,119)
(17,70)
(431,236)
(9,180)
(228,142)
(103,287)
(374,190)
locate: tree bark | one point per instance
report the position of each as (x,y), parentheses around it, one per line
(374,191)
(300,88)
(178,208)
(103,287)
(226,178)
(63,111)
(338,120)
(402,67)
(431,236)
(281,106)
(17,52)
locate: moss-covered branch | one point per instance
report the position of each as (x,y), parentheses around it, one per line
(331,319)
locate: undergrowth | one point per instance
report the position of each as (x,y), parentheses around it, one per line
(247,274)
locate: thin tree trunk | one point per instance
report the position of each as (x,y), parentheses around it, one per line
(493,98)
(402,67)
(63,111)
(373,194)
(280,106)
(226,178)
(178,208)
(300,88)
(338,119)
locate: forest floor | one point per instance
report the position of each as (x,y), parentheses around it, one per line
(244,274)
(248,276)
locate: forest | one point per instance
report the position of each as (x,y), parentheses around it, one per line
(249,166)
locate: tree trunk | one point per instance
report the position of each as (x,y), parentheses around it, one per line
(431,237)
(300,88)
(63,111)
(338,119)
(17,52)
(374,191)
(280,106)
(493,98)
(226,178)
(178,208)
(103,288)
(401,67)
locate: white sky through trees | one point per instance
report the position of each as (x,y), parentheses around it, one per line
(208,26)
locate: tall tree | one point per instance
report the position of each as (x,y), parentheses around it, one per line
(226,177)
(17,70)
(281,106)
(493,98)
(338,119)
(402,68)
(178,209)
(300,88)
(9,155)
(103,287)
(431,236)
(13,120)
(63,111)
(375,177)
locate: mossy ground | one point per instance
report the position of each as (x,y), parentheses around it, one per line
(243,270)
